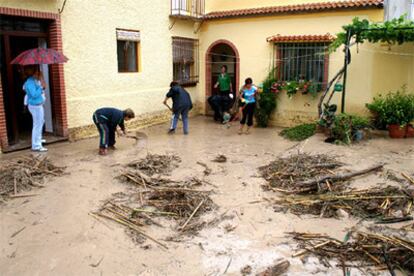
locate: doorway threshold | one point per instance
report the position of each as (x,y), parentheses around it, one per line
(23,145)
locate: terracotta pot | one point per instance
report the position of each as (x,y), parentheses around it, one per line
(410,131)
(396,131)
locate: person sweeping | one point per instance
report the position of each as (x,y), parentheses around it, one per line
(107,120)
(248,96)
(182,105)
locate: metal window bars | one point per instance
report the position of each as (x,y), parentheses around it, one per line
(186,60)
(188,8)
(302,61)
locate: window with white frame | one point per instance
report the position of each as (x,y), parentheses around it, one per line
(128,43)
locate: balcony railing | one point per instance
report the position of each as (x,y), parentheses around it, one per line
(188,8)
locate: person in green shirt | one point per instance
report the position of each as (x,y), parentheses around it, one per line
(224,82)
(222,102)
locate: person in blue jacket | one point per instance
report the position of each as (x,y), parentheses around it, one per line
(182,105)
(248,96)
(35,97)
(107,120)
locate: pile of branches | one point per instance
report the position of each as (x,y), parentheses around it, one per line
(156,164)
(380,203)
(153,196)
(303,173)
(24,173)
(360,249)
(183,204)
(290,174)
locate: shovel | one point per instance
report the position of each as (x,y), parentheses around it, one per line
(169,107)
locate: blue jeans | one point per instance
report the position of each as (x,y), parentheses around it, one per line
(38,122)
(184,116)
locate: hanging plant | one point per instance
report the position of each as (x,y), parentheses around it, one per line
(293,87)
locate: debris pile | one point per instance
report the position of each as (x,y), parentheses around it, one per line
(382,204)
(156,164)
(360,249)
(182,204)
(154,197)
(290,174)
(24,173)
(146,172)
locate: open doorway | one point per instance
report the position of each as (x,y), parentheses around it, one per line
(221,53)
(16,36)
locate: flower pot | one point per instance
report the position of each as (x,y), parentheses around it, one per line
(410,131)
(396,131)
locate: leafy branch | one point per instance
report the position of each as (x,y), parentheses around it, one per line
(396,31)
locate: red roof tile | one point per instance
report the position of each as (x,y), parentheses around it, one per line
(301,38)
(300,8)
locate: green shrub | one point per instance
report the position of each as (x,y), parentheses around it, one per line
(300,132)
(393,108)
(345,126)
(267,101)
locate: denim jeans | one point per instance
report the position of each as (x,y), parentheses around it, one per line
(38,117)
(184,116)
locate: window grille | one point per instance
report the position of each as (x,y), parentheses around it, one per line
(185,60)
(302,61)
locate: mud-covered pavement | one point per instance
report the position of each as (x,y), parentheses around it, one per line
(59,237)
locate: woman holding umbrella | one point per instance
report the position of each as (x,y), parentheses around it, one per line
(34,87)
(35,99)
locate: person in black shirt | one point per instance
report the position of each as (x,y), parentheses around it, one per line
(182,104)
(107,120)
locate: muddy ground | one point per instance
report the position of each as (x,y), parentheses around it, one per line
(60,238)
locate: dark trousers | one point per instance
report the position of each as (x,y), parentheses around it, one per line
(248,112)
(106,133)
(220,103)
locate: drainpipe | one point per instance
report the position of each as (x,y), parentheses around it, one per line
(346,62)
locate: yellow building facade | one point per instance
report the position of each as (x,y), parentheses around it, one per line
(91,79)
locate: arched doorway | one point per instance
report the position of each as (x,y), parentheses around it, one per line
(222,52)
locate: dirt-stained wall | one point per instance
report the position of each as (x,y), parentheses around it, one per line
(89,41)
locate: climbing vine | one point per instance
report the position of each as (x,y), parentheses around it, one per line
(396,31)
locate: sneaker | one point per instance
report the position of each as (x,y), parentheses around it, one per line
(42,149)
(186,133)
(103,151)
(171,131)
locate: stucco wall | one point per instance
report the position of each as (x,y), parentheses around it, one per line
(89,41)
(36,5)
(92,78)
(373,70)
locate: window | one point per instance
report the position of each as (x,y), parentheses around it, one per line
(303,61)
(128,50)
(185,61)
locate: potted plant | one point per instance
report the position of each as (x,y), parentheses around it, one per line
(267,101)
(395,111)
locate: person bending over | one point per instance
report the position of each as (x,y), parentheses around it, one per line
(107,120)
